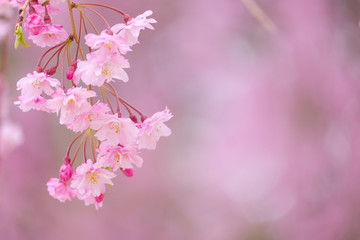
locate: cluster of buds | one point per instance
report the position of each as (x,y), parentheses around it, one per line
(85,101)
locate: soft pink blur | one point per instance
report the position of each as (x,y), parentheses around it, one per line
(265,137)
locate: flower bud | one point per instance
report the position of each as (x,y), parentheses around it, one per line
(66,170)
(143,118)
(99,198)
(128,172)
(71,70)
(51,71)
(133,118)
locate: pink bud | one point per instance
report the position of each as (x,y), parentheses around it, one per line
(133,118)
(34,24)
(128,172)
(143,118)
(99,198)
(127,18)
(65,172)
(39,69)
(51,71)
(66,160)
(71,70)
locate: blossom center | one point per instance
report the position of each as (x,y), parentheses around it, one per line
(36,84)
(91,177)
(116,127)
(106,70)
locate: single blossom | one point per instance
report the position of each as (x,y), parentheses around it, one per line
(59,190)
(101,66)
(94,118)
(131,30)
(90,179)
(153,128)
(35,83)
(118,156)
(50,36)
(110,42)
(71,104)
(118,131)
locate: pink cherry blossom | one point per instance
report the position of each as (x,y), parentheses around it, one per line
(60,190)
(27,103)
(35,83)
(117,157)
(72,103)
(65,172)
(94,118)
(101,66)
(34,24)
(131,30)
(50,36)
(128,172)
(153,128)
(118,131)
(111,42)
(90,178)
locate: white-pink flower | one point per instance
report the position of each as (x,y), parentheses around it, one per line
(90,179)
(117,157)
(153,128)
(118,131)
(27,103)
(111,42)
(101,66)
(49,36)
(71,104)
(131,30)
(35,83)
(94,118)
(59,190)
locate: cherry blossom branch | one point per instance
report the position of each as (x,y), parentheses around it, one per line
(116,95)
(41,58)
(72,143)
(107,99)
(105,6)
(78,148)
(85,158)
(87,18)
(92,145)
(100,16)
(72,21)
(63,69)
(22,12)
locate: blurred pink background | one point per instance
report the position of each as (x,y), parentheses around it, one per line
(266,130)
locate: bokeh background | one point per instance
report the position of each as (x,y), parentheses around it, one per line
(266,129)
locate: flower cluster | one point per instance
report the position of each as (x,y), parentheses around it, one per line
(84,104)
